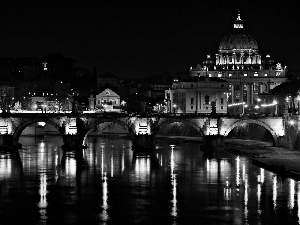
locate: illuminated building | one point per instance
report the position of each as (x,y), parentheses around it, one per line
(196,94)
(108,100)
(239,62)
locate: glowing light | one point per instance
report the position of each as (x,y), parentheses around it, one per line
(235,104)
(174,185)
(274,192)
(71,167)
(42,124)
(123,161)
(238,171)
(142,166)
(42,204)
(112,165)
(104,214)
(291,202)
(291,122)
(258,195)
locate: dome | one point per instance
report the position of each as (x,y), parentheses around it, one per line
(238,40)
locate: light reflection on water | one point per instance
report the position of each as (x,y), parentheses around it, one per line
(177,184)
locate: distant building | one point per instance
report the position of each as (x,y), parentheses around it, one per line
(239,62)
(196,95)
(108,101)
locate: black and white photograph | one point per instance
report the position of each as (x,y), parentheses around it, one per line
(150,112)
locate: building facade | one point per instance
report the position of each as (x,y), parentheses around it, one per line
(108,101)
(239,62)
(196,95)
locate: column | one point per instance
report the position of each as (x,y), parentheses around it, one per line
(232,94)
(251,93)
(200,100)
(248,94)
(241,92)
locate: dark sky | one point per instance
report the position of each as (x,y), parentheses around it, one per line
(141,38)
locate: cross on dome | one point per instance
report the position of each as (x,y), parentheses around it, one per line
(238,22)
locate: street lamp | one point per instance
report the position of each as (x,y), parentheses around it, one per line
(174,107)
(257,107)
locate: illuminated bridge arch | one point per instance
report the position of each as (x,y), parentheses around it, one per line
(258,122)
(166,122)
(18,131)
(92,125)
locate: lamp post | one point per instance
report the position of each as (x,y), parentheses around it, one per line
(257,107)
(258,104)
(174,108)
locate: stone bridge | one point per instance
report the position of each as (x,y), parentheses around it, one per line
(143,129)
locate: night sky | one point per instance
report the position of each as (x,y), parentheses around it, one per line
(141,38)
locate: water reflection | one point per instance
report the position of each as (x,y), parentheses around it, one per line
(176,184)
(104,214)
(275,192)
(291,194)
(42,204)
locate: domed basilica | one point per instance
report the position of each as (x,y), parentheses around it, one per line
(239,62)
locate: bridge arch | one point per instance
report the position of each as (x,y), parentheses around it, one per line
(166,122)
(18,131)
(258,122)
(92,126)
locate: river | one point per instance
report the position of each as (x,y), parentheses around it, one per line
(177,184)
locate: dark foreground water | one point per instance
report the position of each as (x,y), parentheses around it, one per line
(178,184)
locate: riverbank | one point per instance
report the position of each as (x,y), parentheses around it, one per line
(279,160)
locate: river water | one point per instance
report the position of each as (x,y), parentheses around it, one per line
(177,184)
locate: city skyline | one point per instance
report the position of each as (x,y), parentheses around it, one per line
(140,40)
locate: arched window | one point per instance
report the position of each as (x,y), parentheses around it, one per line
(206,99)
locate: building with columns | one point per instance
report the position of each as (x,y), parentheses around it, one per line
(239,62)
(196,95)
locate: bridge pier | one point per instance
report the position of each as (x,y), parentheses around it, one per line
(214,141)
(7,141)
(73,143)
(143,142)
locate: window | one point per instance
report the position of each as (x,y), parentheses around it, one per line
(192,101)
(230,75)
(266,75)
(192,107)
(209,75)
(206,99)
(192,85)
(221,107)
(222,100)
(245,75)
(219,75)
(222,85)
(255,74)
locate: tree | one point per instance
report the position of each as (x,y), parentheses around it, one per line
(24,92)
(62,94)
